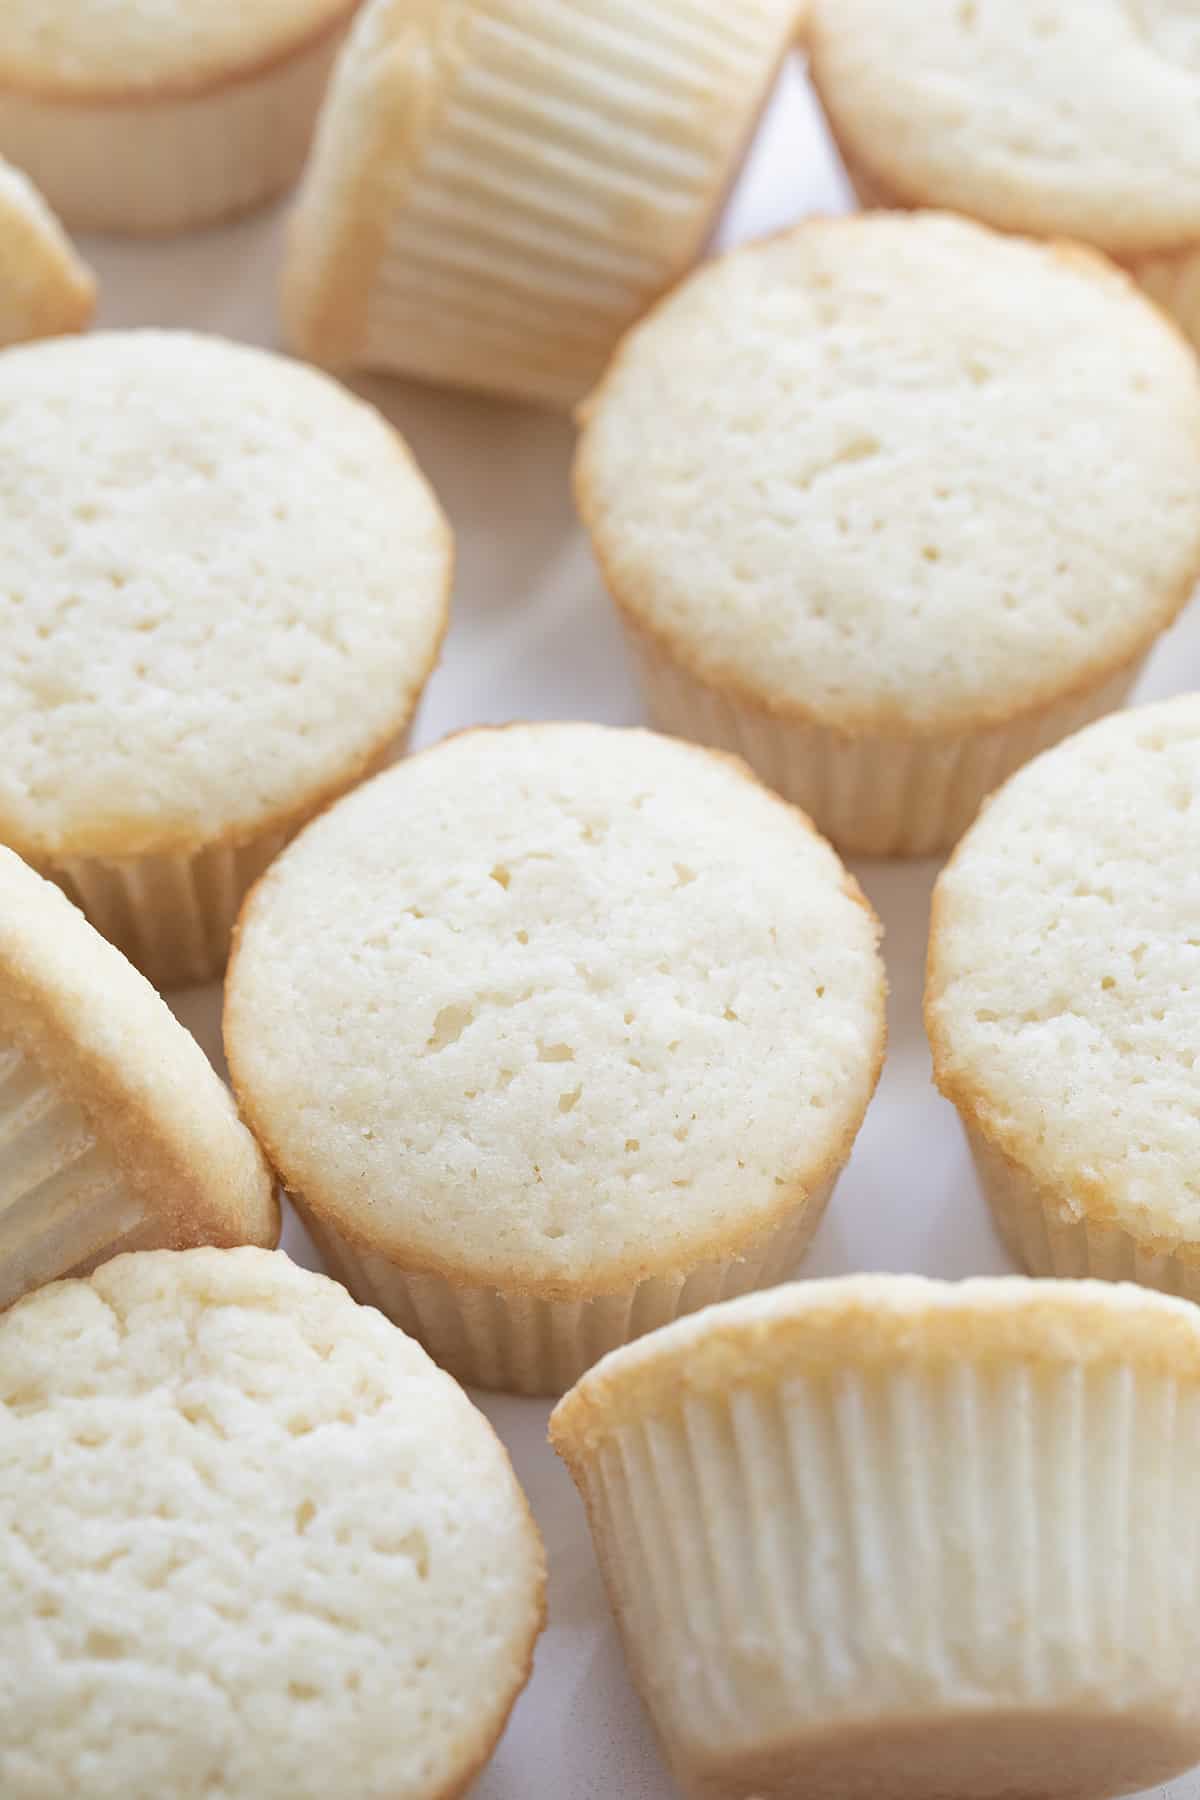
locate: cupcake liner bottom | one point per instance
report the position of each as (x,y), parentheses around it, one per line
(500,224)
(65,1205)
(1014,1755)
(1047,1238)
(524,1344)
(940,1581)
(870,795)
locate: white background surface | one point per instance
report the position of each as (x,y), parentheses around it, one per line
(533,637)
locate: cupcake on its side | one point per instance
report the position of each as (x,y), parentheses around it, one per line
(891,503)
(555,1032)
(498,189)
(45,287)
(226,583)
(1063,1001)
(1009,111)
(115,1131)
(149,119)
(255,1544)
(891,1536)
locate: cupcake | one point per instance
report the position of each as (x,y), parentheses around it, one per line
(497,189)
(890,503)
(146,119)
(45,288)
(225,585)
(256,1544)
(1061,1005)
(1009,110)
(553,1033)
(115,1132)
(891,1536)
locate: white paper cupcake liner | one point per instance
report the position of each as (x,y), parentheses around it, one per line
(536,175)
(1048,1237)
(926,1581)
(871,796)
(64,1203)
(524,1344)
(168,163)
(172,916)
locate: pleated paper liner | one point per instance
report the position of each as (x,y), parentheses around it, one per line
(1048,1236)
(939,1579)
(173,914)
(493,203)
(870,795)
(525,1344)
(65,1204)
(155,164)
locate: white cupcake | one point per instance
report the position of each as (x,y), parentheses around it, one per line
(553,1033)
(1064,968)
(45,287)
(140,117)
(888,504)
(115,1131)
(1075,120)
(891,1536)
(498,188)
(225,586)
(255,1544)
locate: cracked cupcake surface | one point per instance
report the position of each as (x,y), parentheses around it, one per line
(1063,1000)
(888,504)
(225,586)
(255,1543)
(592,1026)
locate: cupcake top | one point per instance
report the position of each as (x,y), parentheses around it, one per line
(104,1039)
(1064,971)
(1010,110)
(588,1005)
(93,49)
(259,1544)
(898,474)
(835,1328)
(46,287)
(225,584)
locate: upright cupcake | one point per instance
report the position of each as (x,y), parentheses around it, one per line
(45,288)
(115,1132)
(136,118)
(1075,120)
(255,1544)
(498,189)
(885,1536)
(555,1032)
(225,585)
(890,503)
(1063,1001)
